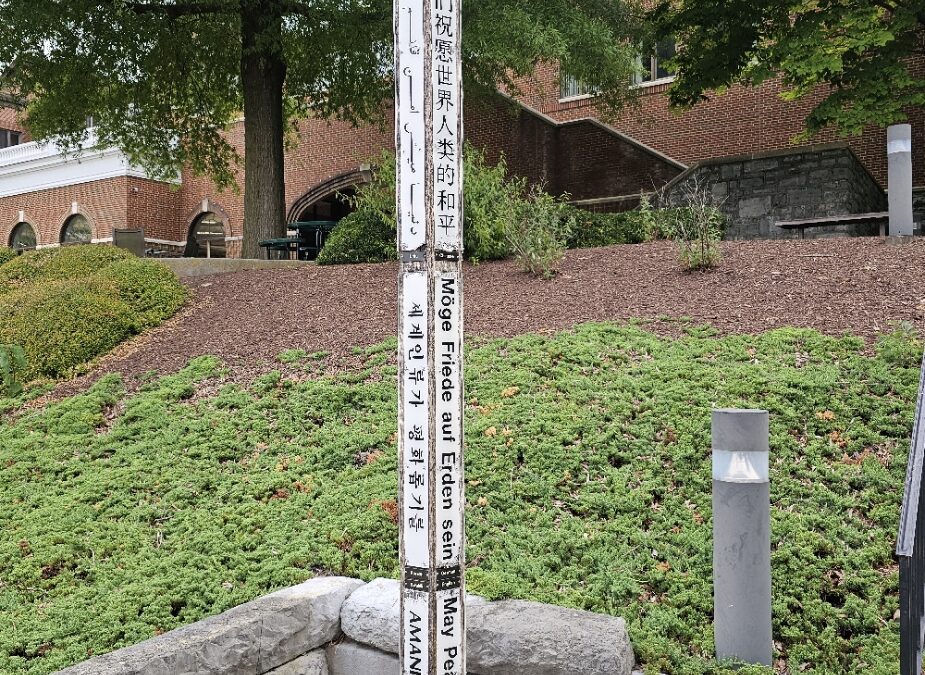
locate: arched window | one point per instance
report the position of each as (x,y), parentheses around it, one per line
(22,238)
(206,237)
(76,230)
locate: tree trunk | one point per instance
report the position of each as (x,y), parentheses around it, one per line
(263,71)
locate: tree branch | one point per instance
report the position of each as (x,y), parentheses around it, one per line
(174,11)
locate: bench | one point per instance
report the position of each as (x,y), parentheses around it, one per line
(882,216)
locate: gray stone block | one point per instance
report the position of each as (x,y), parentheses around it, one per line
(315,663)
(371,614)
(350,658)
(754,207)
(252,638)
(516,637)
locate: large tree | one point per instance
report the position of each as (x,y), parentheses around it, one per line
(164,79)
(857,53)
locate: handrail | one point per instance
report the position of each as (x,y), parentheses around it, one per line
(910,546)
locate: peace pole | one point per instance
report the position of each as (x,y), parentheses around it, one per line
(428,139)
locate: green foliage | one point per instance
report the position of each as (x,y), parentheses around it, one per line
(66,306)
(378,196)
(6,254)
(12,364)
(62,324)
(588,486)
(359,238)
(697,231)
(492,197)
(607,229)
(292,355)
(902,347)
(57,264)
(857,52)
(152,291)
(536,229)
(163,80)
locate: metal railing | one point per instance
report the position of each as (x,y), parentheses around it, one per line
(910,547)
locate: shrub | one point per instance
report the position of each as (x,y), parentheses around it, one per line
(6,254)
(55,264)
(378,196)
(363,236)
(150,289)
(536,230)
(12,364)
(697,231)
(62,324)
(696,224)
(490,194)
(608,229)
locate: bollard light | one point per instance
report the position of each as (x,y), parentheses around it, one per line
(741,536)
(899,179)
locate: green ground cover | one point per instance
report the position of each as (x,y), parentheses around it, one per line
(588,485)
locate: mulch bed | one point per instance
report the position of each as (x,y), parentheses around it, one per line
(859,286)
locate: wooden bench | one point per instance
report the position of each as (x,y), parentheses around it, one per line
(882,216)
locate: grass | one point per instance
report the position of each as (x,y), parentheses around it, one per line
(588,485)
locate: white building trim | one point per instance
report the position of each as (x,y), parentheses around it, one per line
(31,167)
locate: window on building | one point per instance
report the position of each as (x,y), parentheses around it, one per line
(653,68)
(571,87)
(76,230)
(206,237)
(9,138)
(22,238)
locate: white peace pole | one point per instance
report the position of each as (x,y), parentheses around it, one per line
(428,138)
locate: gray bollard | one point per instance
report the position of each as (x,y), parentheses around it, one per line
(899,179)
(741,536)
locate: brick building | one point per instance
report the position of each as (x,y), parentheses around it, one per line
(552,134)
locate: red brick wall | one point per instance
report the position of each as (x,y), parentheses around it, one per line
(103,203)
(9,119)
(743,120)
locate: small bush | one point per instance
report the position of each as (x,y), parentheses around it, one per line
(6,254)
(696,223)
(12,364)
(360,237)
(536,230)
(490,193)
(697,230)
(55,264)
(150,289)
(607,229)
(62,324)
(490,196)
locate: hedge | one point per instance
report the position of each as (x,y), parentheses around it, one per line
(150,289)
(608,229)
(62,324)
(67,306)
(359,238)
(56,264)
(6,255)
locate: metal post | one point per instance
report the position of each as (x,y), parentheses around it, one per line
(428,137)
(899,179)
(741,536)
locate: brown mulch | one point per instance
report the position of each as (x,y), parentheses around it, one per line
(837,286)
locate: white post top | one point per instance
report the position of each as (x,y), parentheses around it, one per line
(740,445)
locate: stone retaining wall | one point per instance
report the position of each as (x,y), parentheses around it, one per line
(756,191)
(202,267)
(341,626)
